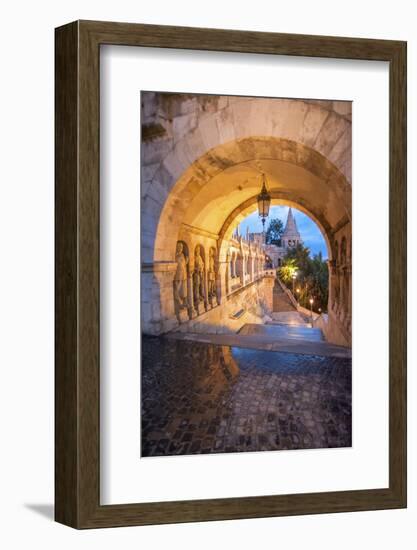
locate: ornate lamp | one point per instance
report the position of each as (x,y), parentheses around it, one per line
(264,202)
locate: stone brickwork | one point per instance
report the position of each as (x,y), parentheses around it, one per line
(251,303)
(197,292)
(202,398)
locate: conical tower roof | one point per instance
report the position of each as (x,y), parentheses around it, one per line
(291,230)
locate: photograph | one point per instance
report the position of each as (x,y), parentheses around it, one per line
(246,274)
(209,263)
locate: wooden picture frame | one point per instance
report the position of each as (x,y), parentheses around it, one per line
(77,405)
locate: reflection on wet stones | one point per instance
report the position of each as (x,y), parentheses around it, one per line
(202,398)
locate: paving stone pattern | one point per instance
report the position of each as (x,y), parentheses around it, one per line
(204,398)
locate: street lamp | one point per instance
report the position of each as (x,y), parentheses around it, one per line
(311,310)
(294,276)
(298,295)
(264,202)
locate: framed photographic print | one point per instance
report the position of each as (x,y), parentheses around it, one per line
(230,274)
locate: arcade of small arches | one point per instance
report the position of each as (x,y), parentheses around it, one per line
(200,179)
(199,284)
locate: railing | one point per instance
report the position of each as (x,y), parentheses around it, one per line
(236,285)
(288,293)
(311,315)
(327,322)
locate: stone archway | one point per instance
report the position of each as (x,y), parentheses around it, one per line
(278,198)
(183,137)
(200,196)
(203,175)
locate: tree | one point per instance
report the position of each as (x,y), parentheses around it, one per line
(312,276)
(287,270)
(274,231)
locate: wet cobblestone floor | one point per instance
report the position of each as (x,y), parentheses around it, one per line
(203,398)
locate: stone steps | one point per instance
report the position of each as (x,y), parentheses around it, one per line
(270,338)
(281,301)
(289,318)
(284,332)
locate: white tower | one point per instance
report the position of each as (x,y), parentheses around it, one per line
(291,236)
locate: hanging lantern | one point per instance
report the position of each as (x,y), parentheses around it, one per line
(264,202)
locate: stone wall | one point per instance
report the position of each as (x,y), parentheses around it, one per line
(340,296)
(196,283)
(250,304)
(178,128)
(333,330)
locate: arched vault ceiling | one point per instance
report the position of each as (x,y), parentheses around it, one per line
(225,192)
(225,177)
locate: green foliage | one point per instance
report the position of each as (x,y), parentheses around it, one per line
(287,270)
(312,277)
(274,232)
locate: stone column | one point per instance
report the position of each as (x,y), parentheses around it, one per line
(225,275)
(205,285)
(242,268)
(190,297)
(196,302)
(241,271)
(331,264)
(342,307)
(346,284)
(222,281)
(157,298)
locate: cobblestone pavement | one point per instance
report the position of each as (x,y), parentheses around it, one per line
(204,398)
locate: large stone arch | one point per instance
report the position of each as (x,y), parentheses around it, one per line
(183,134)
(323,190)
(202,172)
(277,198)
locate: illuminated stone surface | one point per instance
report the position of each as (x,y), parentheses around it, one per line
(202,398)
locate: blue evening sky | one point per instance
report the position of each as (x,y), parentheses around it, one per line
(310,233)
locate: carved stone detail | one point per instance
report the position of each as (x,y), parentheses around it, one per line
(180,278)
(211,276)
(198,277)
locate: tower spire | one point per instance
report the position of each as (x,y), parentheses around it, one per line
(291,236)
(291,225)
